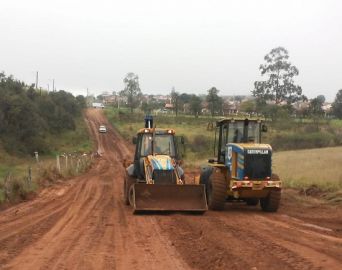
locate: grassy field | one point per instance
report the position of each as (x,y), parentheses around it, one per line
(304,168)
(16,169)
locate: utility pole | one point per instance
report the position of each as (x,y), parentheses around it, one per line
(87,98)
(53,85)
(37,80)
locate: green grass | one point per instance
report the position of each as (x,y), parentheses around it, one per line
(337,123)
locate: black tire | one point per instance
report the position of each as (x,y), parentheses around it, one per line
(127,184)
(131,195)
(271,202)
(216,191)
(252,201)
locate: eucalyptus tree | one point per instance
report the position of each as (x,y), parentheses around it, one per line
(279,85)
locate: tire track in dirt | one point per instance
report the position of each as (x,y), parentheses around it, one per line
(250,238)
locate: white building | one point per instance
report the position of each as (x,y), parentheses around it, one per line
(97,105)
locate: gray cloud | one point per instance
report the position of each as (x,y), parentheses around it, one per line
(191,45)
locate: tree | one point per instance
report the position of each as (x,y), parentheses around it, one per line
(27,118)
(214,100)
(175,100)
(195,105)
(280,85)
(81,101)
(315,107)
(146,107)
(337,105)
(248,106)
(132,90)
(184,98)
(321,98)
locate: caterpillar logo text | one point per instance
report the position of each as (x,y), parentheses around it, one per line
(257,151)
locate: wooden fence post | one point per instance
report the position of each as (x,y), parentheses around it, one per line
(58,164)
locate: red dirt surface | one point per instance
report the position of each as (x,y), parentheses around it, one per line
(84,224)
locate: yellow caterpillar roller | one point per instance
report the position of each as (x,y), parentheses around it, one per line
(155,180)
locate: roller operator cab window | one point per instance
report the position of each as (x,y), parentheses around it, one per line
(236,132)
(163,145)
(253,134)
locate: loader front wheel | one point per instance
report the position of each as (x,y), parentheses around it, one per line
(271,202)
(127,184)
(216,191)
(131,195)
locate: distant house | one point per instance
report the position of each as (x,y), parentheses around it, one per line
(326,107)
(301,105)
(230,107)
(168,106)
(97,105)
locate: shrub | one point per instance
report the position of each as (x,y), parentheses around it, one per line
(302,140)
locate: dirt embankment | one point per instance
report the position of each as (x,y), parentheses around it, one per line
(84,224)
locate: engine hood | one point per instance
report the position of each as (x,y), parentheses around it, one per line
(161,162)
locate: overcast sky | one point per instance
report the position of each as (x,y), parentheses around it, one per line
(191,45)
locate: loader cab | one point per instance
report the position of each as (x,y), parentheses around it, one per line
(154,142)
(160,143)
(236,131)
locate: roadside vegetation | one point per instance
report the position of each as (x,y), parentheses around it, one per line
(21,176)
(28,116)
(49,123)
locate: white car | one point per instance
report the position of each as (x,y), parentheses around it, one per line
(102,129)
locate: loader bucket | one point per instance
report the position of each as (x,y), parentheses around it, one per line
(152,197)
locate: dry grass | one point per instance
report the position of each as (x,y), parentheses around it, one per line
(303,168)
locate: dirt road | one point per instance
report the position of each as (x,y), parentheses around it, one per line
(84,224)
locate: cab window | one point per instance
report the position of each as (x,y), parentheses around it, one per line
(253,134)
(163,145)
(235,134)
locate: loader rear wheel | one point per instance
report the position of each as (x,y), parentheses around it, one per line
(127,184)
(271,202)
(216,191)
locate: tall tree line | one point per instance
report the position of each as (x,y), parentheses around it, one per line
(28,116)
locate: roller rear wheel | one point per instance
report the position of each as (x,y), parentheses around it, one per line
(271,202)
